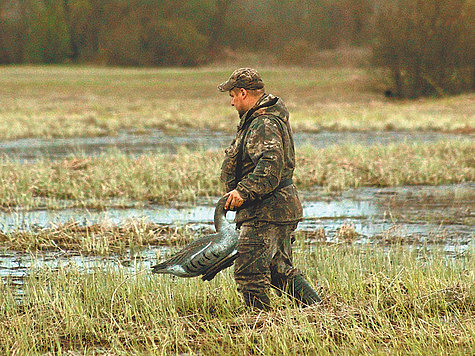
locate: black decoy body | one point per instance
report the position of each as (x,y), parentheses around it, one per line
(207,255)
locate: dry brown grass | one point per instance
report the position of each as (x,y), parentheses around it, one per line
(102,239)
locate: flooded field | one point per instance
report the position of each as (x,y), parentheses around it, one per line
(411,215)
(92,193)
(157,141)
(415,216)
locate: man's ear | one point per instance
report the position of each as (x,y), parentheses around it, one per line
(243,92)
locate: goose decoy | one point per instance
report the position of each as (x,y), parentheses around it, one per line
(207,255)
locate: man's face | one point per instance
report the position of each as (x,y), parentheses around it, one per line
(238,100)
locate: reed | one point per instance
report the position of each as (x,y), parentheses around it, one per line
(116,179)
(350,166)
(378,301)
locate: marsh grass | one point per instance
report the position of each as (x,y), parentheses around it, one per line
(99,239)
(60,101)
(351,166)
(375,301)
(116,179)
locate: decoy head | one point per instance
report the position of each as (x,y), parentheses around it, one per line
(220,215)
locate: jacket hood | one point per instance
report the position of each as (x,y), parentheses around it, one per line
(268,104)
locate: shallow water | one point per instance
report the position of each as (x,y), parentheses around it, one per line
(415,216)
(16,266)
(29,149)
(418,217)
(412,210)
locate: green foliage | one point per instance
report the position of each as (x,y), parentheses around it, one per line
(427,45)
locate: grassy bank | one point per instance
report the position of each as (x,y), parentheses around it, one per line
(374,301)
(115,179)
(60,101)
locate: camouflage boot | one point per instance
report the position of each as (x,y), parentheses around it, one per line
(301,290)
(261,302)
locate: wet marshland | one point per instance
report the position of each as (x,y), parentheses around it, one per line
(418,216)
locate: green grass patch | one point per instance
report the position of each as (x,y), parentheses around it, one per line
(62,101)
(392,301)
(116,179)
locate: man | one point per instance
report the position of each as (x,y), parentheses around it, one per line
(257,172)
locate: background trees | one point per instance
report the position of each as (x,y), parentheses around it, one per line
(426,45)
(145,32)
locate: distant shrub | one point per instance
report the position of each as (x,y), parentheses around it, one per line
(163,43)
(176,42)
(122,45)
(427,46)
(296,52)
(10,50)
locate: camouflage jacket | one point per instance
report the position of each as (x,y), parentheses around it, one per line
(267,160)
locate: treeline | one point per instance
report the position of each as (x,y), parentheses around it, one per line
(426,45)
(170,32)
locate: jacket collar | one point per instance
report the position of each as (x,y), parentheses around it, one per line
(264,101)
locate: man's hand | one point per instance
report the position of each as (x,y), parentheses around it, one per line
(234,200)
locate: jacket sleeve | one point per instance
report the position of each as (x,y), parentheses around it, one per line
(264,145)
(228,168)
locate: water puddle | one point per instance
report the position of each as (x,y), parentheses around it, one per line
(29,149)
(15,266)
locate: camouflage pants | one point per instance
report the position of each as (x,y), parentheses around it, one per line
(264,260)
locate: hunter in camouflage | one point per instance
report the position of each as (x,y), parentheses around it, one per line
(257,172)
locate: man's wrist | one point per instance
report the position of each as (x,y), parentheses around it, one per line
(244,195)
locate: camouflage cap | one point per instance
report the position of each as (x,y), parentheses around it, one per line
(246,78)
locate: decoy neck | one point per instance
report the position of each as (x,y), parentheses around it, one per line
(220,221)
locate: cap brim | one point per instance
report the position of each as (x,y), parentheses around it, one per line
(227,85)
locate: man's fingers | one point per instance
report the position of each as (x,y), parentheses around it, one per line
(228,202)
(234,200)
